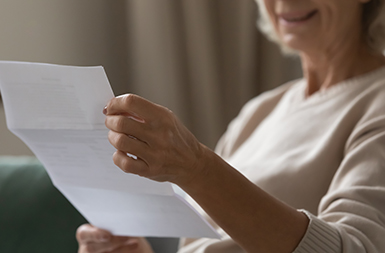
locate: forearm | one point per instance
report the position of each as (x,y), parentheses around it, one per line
(255,220)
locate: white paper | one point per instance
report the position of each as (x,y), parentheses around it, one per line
(57,111)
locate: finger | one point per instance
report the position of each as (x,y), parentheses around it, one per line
(131,246)
(128,144)
(126,125)
(129,164)
(133,106)
(88,233)
(135,245)
(97,247)
(128,249)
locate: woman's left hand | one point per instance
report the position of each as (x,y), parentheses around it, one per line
(165,149)
(95,240)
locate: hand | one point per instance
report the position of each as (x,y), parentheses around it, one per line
(96,240)
(165,149)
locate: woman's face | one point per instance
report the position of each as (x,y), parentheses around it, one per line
(315,24)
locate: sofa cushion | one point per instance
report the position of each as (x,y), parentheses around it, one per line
(34,215)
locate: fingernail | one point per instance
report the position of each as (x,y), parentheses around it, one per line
(105,110)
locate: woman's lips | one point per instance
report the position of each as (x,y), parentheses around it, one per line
(295,18)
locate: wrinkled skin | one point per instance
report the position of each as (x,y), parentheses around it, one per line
(165,149)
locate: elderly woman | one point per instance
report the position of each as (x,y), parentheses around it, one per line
(305,163)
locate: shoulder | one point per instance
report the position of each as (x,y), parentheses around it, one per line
(369,108)
(370,100)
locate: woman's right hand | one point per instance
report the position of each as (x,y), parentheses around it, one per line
(95,240)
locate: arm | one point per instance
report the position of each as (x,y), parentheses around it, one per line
(355,202)
(253,218)
(167,151)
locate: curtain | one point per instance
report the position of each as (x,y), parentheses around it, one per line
(203,59)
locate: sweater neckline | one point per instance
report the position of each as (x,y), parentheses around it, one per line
(339,88)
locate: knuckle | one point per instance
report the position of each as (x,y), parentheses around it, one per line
(129,100)
(121,163)
(110,137)
(106,121)
(166,109)
(120,141)
(115,158)
(81,233)
(169,134)
(120,123)
(167,138)
(169,115)
(126,165)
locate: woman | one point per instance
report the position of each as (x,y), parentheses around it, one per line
(315,144)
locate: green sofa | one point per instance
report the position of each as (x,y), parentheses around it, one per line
(36,218)
(34,215)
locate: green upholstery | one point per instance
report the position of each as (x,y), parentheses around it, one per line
(34,215)
(36,218)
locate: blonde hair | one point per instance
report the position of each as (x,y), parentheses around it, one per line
(373,25)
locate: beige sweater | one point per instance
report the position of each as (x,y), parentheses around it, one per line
(324,154)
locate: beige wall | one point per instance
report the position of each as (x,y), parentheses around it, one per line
(86,32)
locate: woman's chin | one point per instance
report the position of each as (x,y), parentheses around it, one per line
(297,44)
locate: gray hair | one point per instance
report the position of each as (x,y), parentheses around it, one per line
(373,26)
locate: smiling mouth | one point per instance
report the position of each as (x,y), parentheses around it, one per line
(293,19)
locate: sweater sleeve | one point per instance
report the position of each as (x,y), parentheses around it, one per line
(351,216)
(319,237)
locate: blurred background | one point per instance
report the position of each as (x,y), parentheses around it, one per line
(203,59)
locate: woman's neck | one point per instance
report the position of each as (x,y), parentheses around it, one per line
(325,69)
